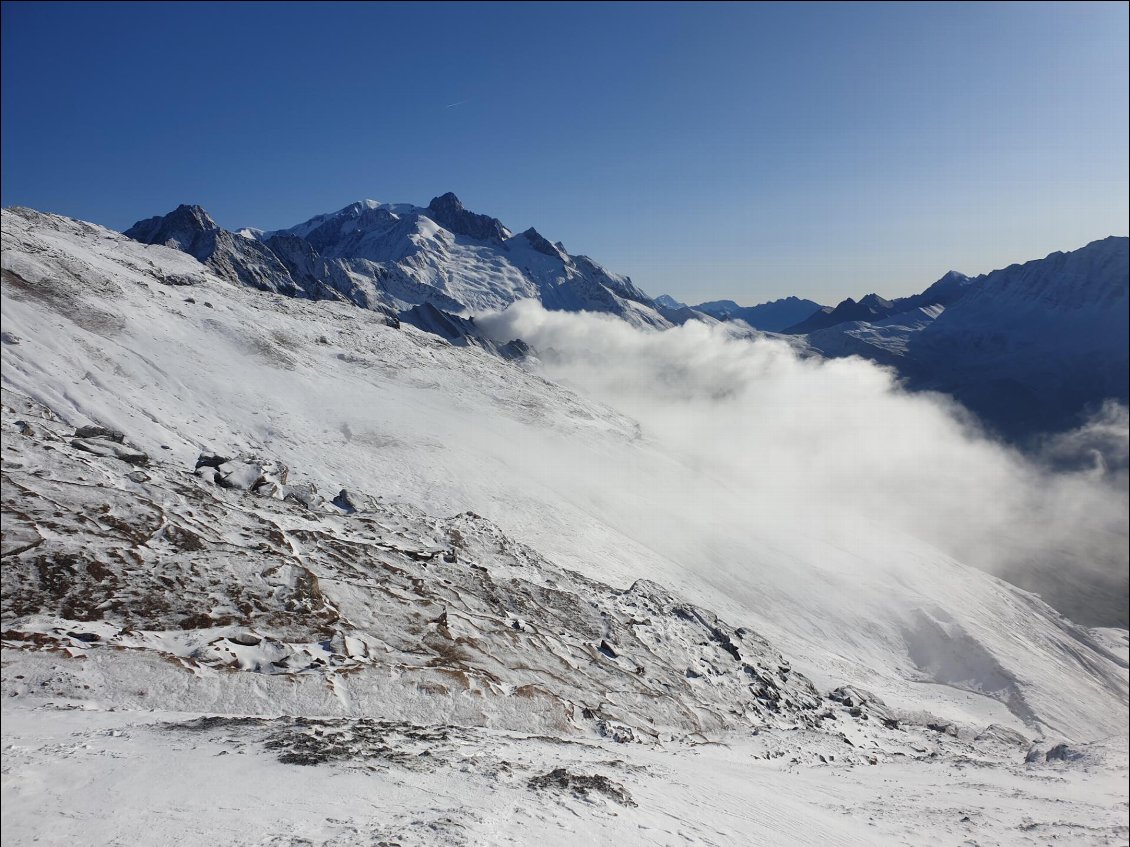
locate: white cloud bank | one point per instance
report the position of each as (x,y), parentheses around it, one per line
(838,446)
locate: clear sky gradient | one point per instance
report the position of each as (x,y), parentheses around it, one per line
(709,151)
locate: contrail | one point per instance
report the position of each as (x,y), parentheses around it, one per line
(457,103)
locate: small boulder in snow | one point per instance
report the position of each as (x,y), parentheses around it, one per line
(111,450)
(209,459)
(995,733)
(352,501)
(242,475)
(94,431)
(303,493)
(250,473)
(1061,753)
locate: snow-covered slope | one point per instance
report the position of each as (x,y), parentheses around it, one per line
(391,257)
(361,405)
(284,526)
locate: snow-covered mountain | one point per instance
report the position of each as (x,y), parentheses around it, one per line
(267,540)
(1031,348)
(393,257)
(774,316)
(871,308)
(669,302)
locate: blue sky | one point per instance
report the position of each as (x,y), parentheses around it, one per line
(710,151)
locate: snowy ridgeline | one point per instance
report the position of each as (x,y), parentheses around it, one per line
(177,538)
(393,257)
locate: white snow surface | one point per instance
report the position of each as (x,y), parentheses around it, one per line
(95,333)
(166,778)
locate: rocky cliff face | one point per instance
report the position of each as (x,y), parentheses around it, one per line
(447,211)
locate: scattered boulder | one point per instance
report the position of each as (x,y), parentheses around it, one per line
(944,727)
(304,493)
(862,704)
(582,786)
(269,488)
(242,475)
(249,473)
(111,450)
(178,279)
(94,431)
(1062,753)
(615,732)
(137,476)
(995,733)
(352,501)
(210,460)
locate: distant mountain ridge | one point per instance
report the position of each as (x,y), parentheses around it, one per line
(1030,348)
(393,257)
(774,316)
(947,290)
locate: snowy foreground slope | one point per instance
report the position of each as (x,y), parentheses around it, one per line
(336,583)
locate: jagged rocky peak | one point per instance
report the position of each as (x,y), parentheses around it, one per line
(669,302)
(875,301)
(542,244)
(234,257)
(448,211)
(364,216)
(950,287)
(952,277)
(179,228)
